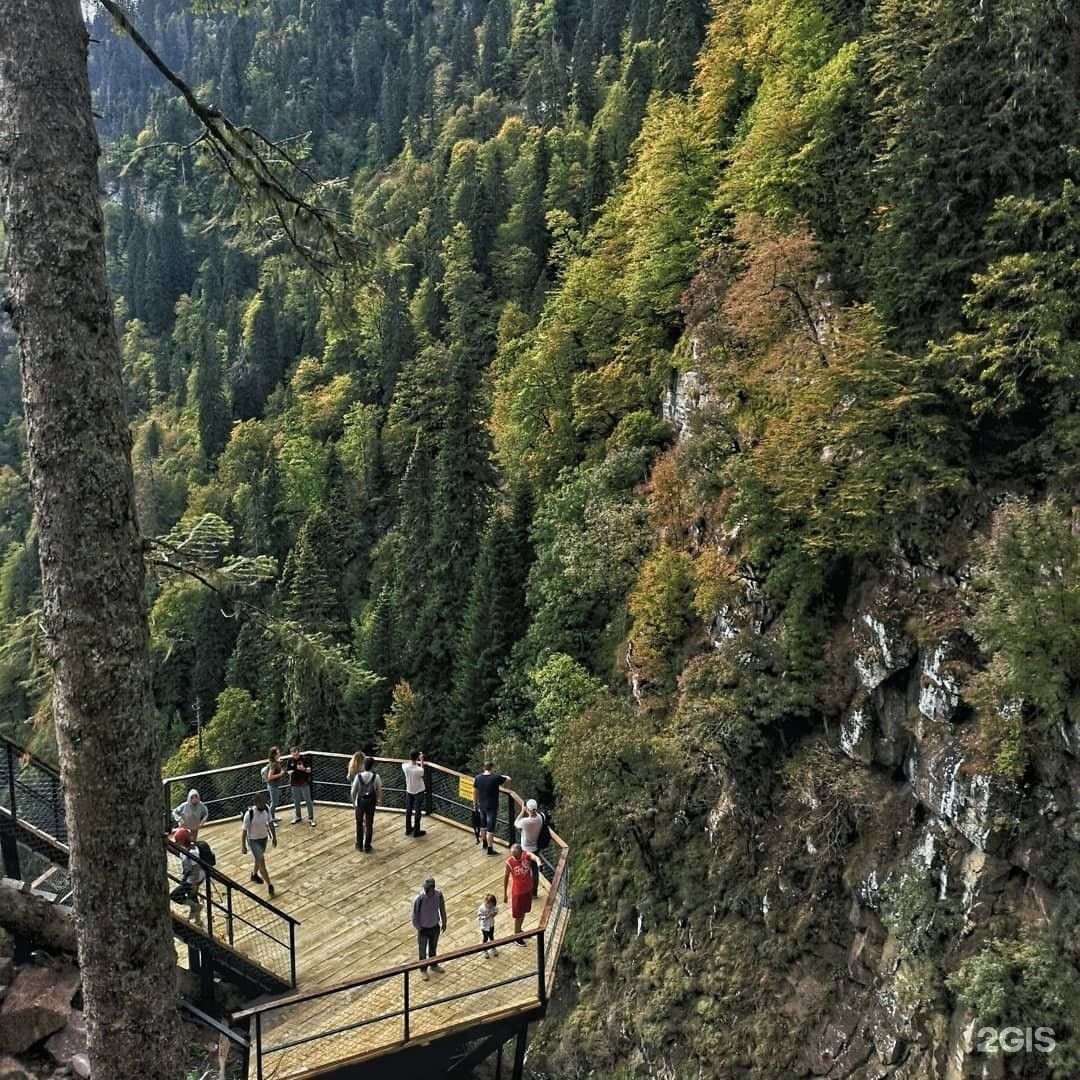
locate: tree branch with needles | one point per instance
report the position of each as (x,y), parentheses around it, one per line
(264,174)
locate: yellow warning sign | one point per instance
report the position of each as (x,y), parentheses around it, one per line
(465,788)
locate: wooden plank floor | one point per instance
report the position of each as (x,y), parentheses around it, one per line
(355,914)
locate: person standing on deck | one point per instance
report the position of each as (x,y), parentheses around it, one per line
(366,794)
(191,813)
(415,788)
(273,772)
(429,919)
(529,824)
(486,800)
(299,768)
(485,916)
(257,828)
(519,873)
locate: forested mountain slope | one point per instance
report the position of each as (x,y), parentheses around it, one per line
(701,440)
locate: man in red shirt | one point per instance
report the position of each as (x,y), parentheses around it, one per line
(519,873)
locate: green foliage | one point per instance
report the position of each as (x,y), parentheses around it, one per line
(1028,622)
(1018,364)
(1021,981)
(403,727)
(236,732)
(660,606)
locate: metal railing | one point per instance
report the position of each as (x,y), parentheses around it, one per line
(32,817)
(391,1008)
(31,809)
(233,915)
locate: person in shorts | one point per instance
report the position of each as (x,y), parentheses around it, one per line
(529,824)
(518,882)
(258,827)
(486,787)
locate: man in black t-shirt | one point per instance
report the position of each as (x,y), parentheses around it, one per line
(486,800)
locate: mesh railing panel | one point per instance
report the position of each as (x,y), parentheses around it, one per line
(39,796)
(235,918)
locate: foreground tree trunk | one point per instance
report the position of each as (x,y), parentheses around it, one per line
(91,559)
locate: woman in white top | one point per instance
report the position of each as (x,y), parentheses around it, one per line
(415,788)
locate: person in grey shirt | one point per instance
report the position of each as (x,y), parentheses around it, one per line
(429,919)
(529,823)
(191,813)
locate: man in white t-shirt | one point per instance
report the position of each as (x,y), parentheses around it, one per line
(530,822)
(258,827)
(415,789)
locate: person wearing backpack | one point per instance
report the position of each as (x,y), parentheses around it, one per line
(366,795)
(192,874)
(273,775)
(256,829)
(530,824)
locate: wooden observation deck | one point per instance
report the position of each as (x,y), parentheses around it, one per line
(343,942)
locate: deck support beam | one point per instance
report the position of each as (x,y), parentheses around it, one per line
(519,1052)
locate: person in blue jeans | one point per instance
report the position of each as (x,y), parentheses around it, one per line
(273,773)
(299,769)
(486,800)
(415,791)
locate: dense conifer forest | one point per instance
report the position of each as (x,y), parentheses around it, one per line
(701,395)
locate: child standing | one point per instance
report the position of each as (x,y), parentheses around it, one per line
(485,916)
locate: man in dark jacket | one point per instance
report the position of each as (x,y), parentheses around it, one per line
(429,919)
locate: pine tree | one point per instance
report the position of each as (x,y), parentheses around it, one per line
(495,618)
(308,583)
(214,417)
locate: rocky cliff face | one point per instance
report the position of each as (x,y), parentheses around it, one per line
(874,900)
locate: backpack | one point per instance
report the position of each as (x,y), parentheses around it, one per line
(264,772)
(366,792)
(206,853)
(543,839)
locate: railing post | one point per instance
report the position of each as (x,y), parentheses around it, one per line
(510,818)
(258,1047)
(292,953)
(541,967)
(229,911)
(206,984)
(59,824)
(166,788)
(405,1012)
(209,909)
(8,842)
(429,794)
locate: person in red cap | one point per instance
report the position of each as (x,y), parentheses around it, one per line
(191,871)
